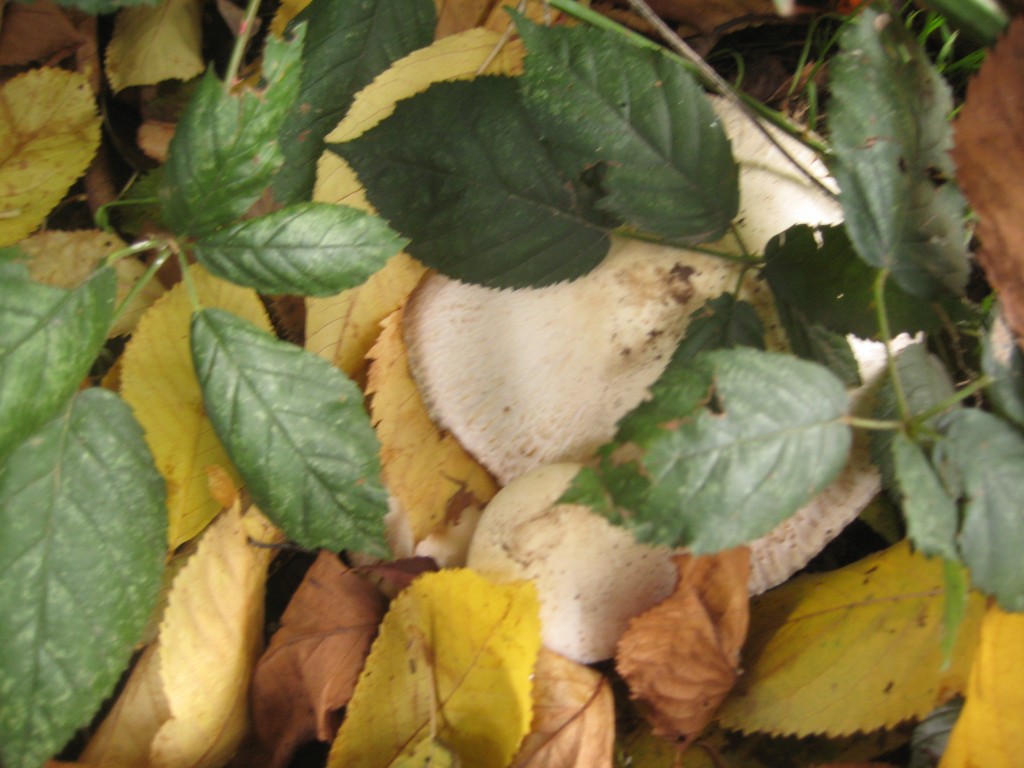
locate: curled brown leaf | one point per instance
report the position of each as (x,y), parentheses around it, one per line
(681,658)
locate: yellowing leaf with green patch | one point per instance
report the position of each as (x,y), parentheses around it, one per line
(452,664)
(341,329)
(990,730)
(156,43)
(429,474)
(159,382)
(458,57)
(49,132)
(185,703)
(856,649)
(66,259)
(286,11)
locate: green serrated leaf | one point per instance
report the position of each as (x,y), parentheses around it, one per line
(296,429)
(347,45)
(312,249)
(1002,360)
(987,454)
(49,338)
(224,153)
(764,438)
(461,171)
(814,342)
(818,272)
(931,516)
(721,323)
(891,138)
(926,384)
(596,97)
(81,555)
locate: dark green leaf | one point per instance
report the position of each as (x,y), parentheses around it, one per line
(103,6)
(461,171)
(224,153)
(596,97)
(83,521)
(926,384)
(819,274)
(1002,360)
(313,249)
(49,338)
(987,454)
(816,343)
(347,45)
(721,323)
(931,516)
(297,431)
(888,121)
(726,448)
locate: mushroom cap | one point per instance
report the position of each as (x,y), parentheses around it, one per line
(591,576)
(533,376)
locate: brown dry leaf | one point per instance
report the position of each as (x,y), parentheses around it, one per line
(990,164)
(308,672)
(573,717)
(433,479)
(184,703)
(710,17)
(38,31)
(681,658)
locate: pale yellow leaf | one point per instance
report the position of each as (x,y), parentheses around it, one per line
(184,705)
(49,132)
(990,730)
(457,57)
(156,43)
(452,664)
(573,717)
(159,383)
(341,329)
(856,649)
(430,475)
(66,259)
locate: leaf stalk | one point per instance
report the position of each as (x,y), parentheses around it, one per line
(241,43)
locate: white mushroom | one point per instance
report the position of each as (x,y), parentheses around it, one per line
(528,377)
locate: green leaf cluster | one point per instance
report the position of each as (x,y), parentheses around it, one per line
(518,182)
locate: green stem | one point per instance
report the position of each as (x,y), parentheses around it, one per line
(186,278)
(890,358)
(139,247)
(960,395)
(878,425)
(102,216)
(164,253)
(241,43)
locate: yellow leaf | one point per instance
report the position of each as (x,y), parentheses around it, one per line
(341,329)
(429,474)
(458,57)
(852,650)
(49,132)
(156,43)
(184,705)
(286,11)
(452,664)
(427,754)
(159,383)
(66,259)
(990,730)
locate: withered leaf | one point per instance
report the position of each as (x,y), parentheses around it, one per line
(310,668)
(680,658)
(990,163)
(573,717)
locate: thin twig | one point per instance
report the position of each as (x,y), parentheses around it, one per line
(717,83)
